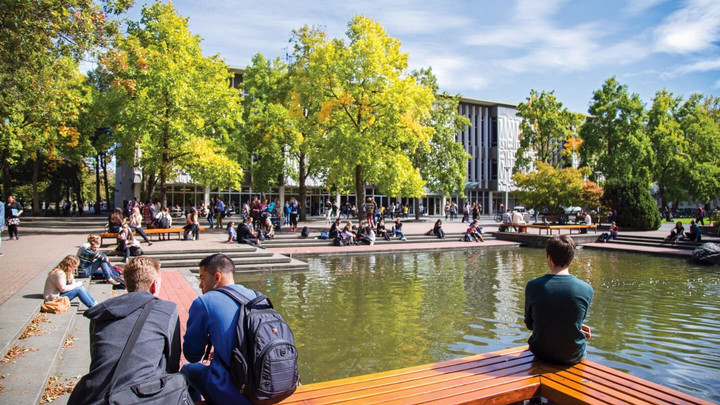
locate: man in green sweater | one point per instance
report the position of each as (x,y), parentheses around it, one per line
(556,305)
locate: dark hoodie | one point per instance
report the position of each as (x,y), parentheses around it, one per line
(156,351)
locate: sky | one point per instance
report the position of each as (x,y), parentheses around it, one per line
(497,50)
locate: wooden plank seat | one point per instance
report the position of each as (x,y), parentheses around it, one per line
(153,231)
(551,228)
(501,377)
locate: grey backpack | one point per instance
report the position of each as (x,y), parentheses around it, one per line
(263,363)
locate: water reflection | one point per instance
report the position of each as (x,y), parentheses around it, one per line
(656,318)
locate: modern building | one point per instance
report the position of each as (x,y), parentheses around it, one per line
(491,139)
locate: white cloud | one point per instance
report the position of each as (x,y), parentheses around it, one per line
(635,7)
(692,28)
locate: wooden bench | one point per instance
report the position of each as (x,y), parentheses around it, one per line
(153,231)
(550,228)
(502,377)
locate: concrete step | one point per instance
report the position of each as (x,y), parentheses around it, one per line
(411,239)
(181,264)
(196,257)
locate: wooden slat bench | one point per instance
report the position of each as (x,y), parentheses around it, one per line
(502,377)
(153,231)
(551,228)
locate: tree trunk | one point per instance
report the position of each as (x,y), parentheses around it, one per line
(107,189)
(302,174)
(35,196)
(417,211)
(78,189)
(97,183)
(359,191)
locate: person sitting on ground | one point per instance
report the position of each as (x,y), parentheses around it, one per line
(86,245)
(267,231)
(115,221)
(381,230)
(247,234)
(397,229)
(232,233)
(694,235)
(334,229)
(136,224)
(471,233)
(60,283)
(369,235)
(437,229)
(612,232)
(192,225)
(556,305)
(92,259)
(157,350)
(677,233)
(348,235)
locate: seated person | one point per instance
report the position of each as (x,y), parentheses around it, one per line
(471,233)
(91,259)
(192,225)
(115,221)
(381,231)
(334,229)
(437,229)
(157,350)
(348,236)
(506,222)
(613,232)
(556,305)
(397,229)
(694,235)
(60,283)
(126,243)
(246,234)
(267,231)
(678,233)
(366,235)
(232,233)
(517,218)
(86,245)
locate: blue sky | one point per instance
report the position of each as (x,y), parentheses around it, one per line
(498,50)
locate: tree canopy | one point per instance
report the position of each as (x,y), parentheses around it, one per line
(552,188)
(179,112)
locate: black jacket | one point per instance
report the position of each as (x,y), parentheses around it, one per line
(156,351)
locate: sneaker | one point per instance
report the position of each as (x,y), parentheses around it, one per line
(1,254)
(149,243)
(403,239)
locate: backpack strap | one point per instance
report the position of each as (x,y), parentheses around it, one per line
(125,356)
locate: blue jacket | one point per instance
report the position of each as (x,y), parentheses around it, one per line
(2,215)
(213,319)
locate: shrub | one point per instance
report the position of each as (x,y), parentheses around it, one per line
(636,207)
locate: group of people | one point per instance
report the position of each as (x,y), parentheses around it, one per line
(556,305)
(364,232)
(678,233)
(157,350)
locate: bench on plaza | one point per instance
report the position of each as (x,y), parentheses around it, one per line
(153,231)
(550,228)
(505,376)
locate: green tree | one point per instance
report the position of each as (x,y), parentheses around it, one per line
(552,188)
(40,45)
(548,131)
(636,207)
(305,105)
(180,112)
(269,130)
(376,111)
(443,160)
(670,147)
(614,138)
(703,136)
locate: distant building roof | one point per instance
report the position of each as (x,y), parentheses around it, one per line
(488,103)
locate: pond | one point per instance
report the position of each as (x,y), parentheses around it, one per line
(655,318)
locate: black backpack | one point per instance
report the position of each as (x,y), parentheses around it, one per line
(162,222)
(305,232)
(264,359)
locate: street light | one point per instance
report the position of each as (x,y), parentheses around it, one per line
(507,186)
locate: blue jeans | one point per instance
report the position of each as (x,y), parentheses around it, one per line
(104,266)
(195,374)
(398,233)
(81,292)
(211,219)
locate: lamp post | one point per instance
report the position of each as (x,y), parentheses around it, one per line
(507,186)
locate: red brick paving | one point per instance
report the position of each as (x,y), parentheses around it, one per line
(175,288)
